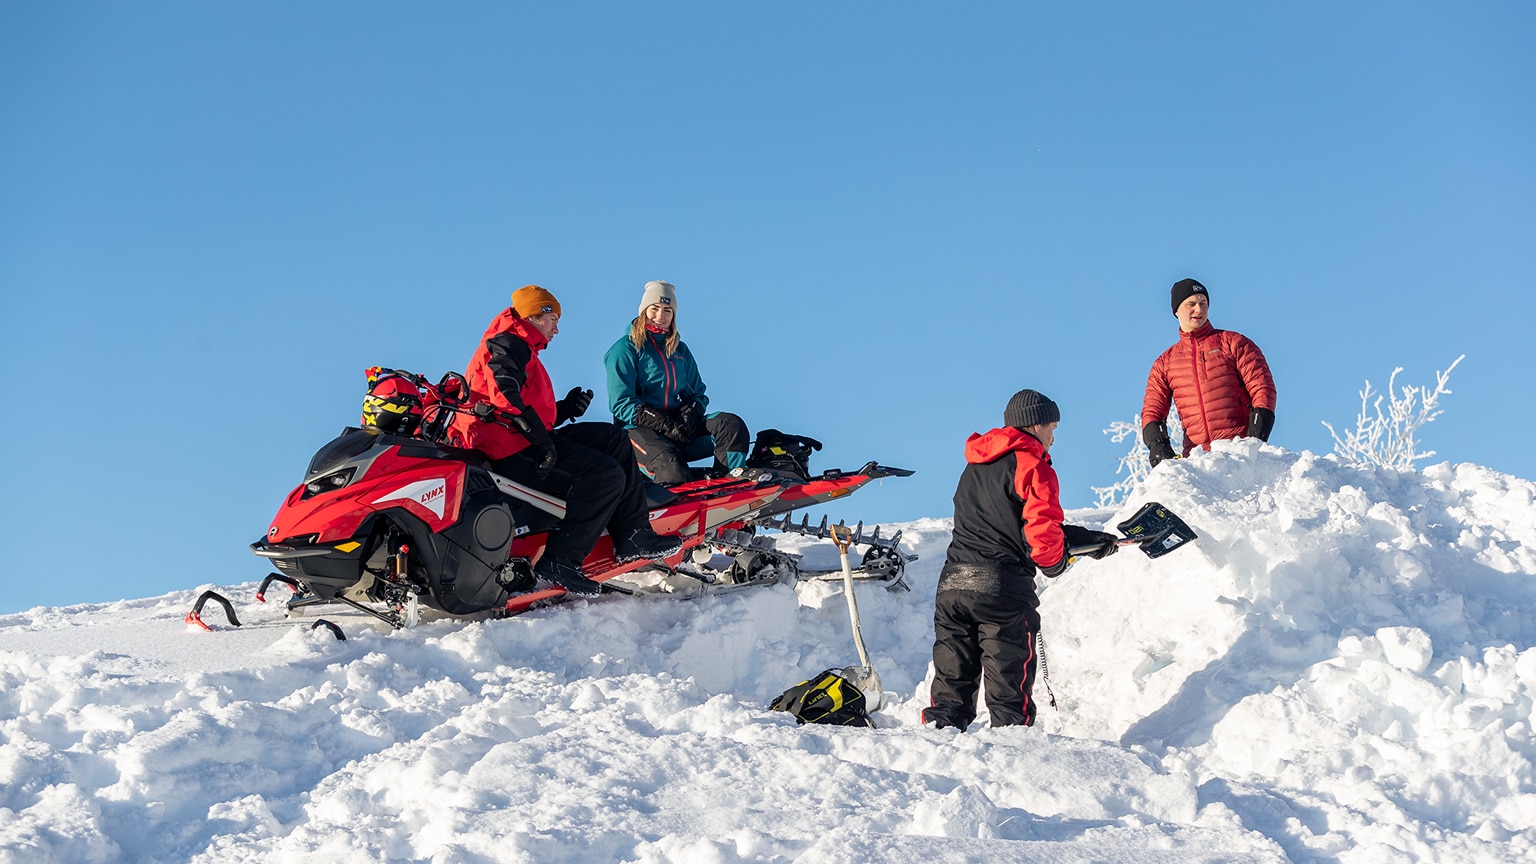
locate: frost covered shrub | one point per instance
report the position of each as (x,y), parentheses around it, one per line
(1389,438)
(1384,434)
(1136,464)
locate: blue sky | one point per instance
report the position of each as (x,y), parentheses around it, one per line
(882,219)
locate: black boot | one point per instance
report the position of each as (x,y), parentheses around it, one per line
(644,544)
(567,574)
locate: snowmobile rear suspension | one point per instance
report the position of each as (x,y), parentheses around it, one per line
(883,561)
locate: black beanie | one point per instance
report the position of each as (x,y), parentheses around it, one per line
(1028,408)
(1184,288)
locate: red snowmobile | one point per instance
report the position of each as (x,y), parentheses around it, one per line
(391,517)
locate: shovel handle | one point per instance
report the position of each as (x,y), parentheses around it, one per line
(842,544)
(1083,550)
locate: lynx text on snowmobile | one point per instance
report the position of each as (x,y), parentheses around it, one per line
(391,518)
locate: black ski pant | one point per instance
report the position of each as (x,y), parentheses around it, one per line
(980,636)
(595,473)
(667,463)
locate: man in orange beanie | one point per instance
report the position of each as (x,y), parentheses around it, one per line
(590,465)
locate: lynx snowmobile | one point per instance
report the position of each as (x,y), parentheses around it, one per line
(392,518)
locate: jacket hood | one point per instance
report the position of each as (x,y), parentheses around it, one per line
(511,322)
(983,447)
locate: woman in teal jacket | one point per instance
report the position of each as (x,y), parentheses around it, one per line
(654,389)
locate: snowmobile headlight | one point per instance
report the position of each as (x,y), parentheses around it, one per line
(328,483)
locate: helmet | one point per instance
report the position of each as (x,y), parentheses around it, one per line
(393,404)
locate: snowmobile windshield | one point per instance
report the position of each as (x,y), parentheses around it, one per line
(345,446)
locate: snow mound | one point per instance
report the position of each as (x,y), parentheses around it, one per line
(1340,669)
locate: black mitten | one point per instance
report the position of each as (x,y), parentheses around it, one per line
(1261,421)
(1155,436)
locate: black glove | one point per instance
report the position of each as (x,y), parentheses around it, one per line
(1155,435)
(544,458)
(692,416)
(1107,545)
(573,405)
(1261,421)
(541,447)
(1090,543)
(668,424)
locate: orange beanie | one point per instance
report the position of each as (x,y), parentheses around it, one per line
(531,300)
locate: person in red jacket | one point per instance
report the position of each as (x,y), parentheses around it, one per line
(1008,521)
(1218,380)
(590,465)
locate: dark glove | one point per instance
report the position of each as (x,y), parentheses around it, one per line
(1155,436)
(665,422)
(544,458)
(1261,421)
(1105,545)
(692,416)
(541,448)
(573,405)
(1090,543)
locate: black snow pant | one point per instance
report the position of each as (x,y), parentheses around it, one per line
(975,636)
(667,463)
(595,473)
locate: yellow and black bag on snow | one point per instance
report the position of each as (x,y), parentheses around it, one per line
(826,698)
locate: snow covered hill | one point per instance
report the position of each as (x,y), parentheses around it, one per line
(1340,670)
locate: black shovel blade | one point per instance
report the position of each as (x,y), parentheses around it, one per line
(1156,530)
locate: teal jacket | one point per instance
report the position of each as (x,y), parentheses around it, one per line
(648,376)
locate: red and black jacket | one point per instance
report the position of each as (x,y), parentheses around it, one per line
(1008,517)
(506,371)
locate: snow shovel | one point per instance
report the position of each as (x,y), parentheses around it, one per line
(1155,528)
(862,676)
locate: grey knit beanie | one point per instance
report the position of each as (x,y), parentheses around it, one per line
(658,293)
(1028,408)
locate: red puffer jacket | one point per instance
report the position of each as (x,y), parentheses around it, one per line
(1215,377)
(507,372)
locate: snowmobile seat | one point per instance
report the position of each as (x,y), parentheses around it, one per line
(657,495)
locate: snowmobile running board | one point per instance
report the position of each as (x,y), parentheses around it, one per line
(874,471)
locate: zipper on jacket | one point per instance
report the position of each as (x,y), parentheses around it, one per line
(666,366)
(1205,422)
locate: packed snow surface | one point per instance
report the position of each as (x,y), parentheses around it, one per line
(1340,670)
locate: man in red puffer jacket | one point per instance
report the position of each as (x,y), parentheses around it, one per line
(1218,379)
(590,465)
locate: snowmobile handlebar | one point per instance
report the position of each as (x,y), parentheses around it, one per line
(452,395)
